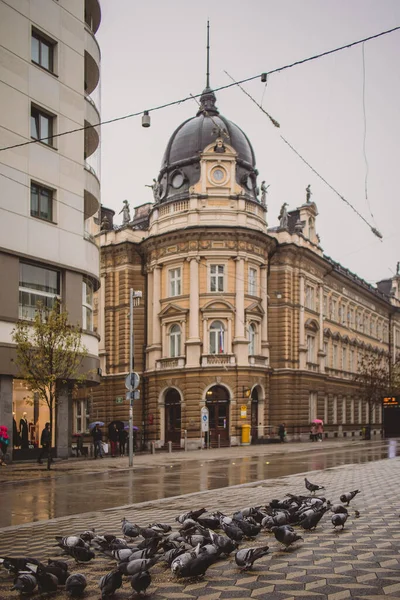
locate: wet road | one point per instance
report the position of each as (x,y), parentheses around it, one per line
(74,493)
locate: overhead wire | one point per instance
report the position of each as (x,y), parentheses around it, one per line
(220,88)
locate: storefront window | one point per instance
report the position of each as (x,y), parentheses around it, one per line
(81,416)
(30,415)
(36,284)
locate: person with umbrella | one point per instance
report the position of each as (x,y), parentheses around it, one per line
(319,429)
(114,438)
(97,435)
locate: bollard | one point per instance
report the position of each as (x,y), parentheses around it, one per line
(153,447)
(219,440)
(185,441)
(170,447)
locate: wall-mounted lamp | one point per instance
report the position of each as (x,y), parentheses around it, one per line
(146,119)
(209,393)
(278,295)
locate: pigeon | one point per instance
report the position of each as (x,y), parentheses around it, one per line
(88,535)
(129,529)
(196,566)
(338,508)
(71,541)
(286,535)
(75,585)
(80,554)
(339,519)
(141,581)
(47,582)
(160,527)
(123,554)
(209,522)
(249,529)
(349,496)
(232,531)
(192,514)
(135,566)
(58,563)
(61,574)
(312,520)
(15,565)
(245,557)
(25,583)
(110,583)
(223,543)
(356,514)
(312,487)
(182,559)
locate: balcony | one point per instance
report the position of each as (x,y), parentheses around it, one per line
(218,360)
(91,192)
(92,118)
(170,363)
(92,62)
(92,14)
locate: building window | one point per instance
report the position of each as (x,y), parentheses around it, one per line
(344,406)
(333,309)
(344,359)
(253,281)
(41,126)
(175,282)
(352,410)
(326,352)
(217,273)
(41,202)
(42,51)
(310,349)
(37,284)
(81,416)
(325,306)
(335,356)
(87,305)
(326,411)
(334,415)
(312,406)
(351,317)
(175,341)
(252,339)
(351,361)
(217,338)
(310,297)
(359,412)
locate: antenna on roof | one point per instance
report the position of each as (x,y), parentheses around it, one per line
(208,56)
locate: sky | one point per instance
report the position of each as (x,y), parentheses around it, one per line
(340,112)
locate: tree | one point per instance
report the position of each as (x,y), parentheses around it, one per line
(49,353)
(373,379)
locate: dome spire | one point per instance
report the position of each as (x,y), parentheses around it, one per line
(208,99)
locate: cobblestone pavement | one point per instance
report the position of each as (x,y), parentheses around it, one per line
(361,562)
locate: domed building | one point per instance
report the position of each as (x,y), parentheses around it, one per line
(240,327)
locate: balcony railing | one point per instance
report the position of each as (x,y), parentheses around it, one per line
(216,360)
(258,361)
(170,363)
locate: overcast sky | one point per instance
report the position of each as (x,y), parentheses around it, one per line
(154,52)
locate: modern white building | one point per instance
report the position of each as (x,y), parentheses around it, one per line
(49,187)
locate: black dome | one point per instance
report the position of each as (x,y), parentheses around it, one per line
(189,140)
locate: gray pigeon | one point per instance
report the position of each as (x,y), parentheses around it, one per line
(75,585)
(312,487)
(349,496)
(160,527)
(312,520)
(110,583)
(129,529)
(339,519)
(196,566)
(80,554)
(141,581)
(47,582)
(223,543)
(25,583)
(286,535)
(245,557)
(135,566)
(183,559)
(338,508)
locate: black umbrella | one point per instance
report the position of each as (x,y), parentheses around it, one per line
(119,424)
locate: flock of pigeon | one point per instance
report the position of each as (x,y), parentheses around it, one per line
(201,539)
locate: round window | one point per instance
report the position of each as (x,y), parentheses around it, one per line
(218,175)
(177,180)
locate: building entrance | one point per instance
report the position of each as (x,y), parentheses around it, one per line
(173,417)
(218,402)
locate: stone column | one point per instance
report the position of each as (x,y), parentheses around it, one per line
(302,344)
(240,342)
(156,305)
(154,347)
(63,418)
(264,304)
(321,355)
(193,348)
(6,418)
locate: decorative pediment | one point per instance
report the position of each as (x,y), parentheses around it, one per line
(173,310)
(255,309)
(336,336)
(346,339)
(218,306)
(327,332)
(312,324)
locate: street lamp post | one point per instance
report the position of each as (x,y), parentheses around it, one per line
(134,300)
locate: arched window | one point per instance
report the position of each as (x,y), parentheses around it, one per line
(217,338)
(252,339)
(175,341)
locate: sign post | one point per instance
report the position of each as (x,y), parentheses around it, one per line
(204,423)
(132,381)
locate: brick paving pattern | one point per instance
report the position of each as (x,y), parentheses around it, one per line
(360,562)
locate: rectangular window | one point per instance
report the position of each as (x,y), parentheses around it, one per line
(81,416)
(217,278)
(344,359)
(352,411)
(334,415)
(42,51)
(252,281)
(175,282)
(310,349)
(326,411)
(335,356)
(351,317)
(312,406)
(36,284)
(351,361)
(310,297)
(41,126)
(359,412)
(326,350)
(344,406)
(41,202)
(87,305)
(325,306)
(333,309)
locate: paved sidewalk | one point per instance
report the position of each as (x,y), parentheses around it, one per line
(361,562)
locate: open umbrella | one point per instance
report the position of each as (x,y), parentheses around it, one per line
(119,424)
(99,423)
(134,428)
(316,421)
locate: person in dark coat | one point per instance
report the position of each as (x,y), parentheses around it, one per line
(45,441)
(23,431)
(113,436)
(282,432)
(97,435)
(123,436)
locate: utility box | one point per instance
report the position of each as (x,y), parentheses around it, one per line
(246,435)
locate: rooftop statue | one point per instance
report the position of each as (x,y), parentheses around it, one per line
(283,216)
(308,193)
(126,215)
(157,189)
(264,192)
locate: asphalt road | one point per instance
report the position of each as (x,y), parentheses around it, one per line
(74,492)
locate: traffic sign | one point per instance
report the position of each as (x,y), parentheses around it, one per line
(132,378)
(204,419)
(119,399)
(133,395)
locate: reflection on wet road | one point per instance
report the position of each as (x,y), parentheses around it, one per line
(24,502)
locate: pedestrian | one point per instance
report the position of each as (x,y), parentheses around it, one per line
(97,441)
(113,436)
(282,432)
(320,431)
(313,432)
(122,435)
(4,441)
(45,441)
